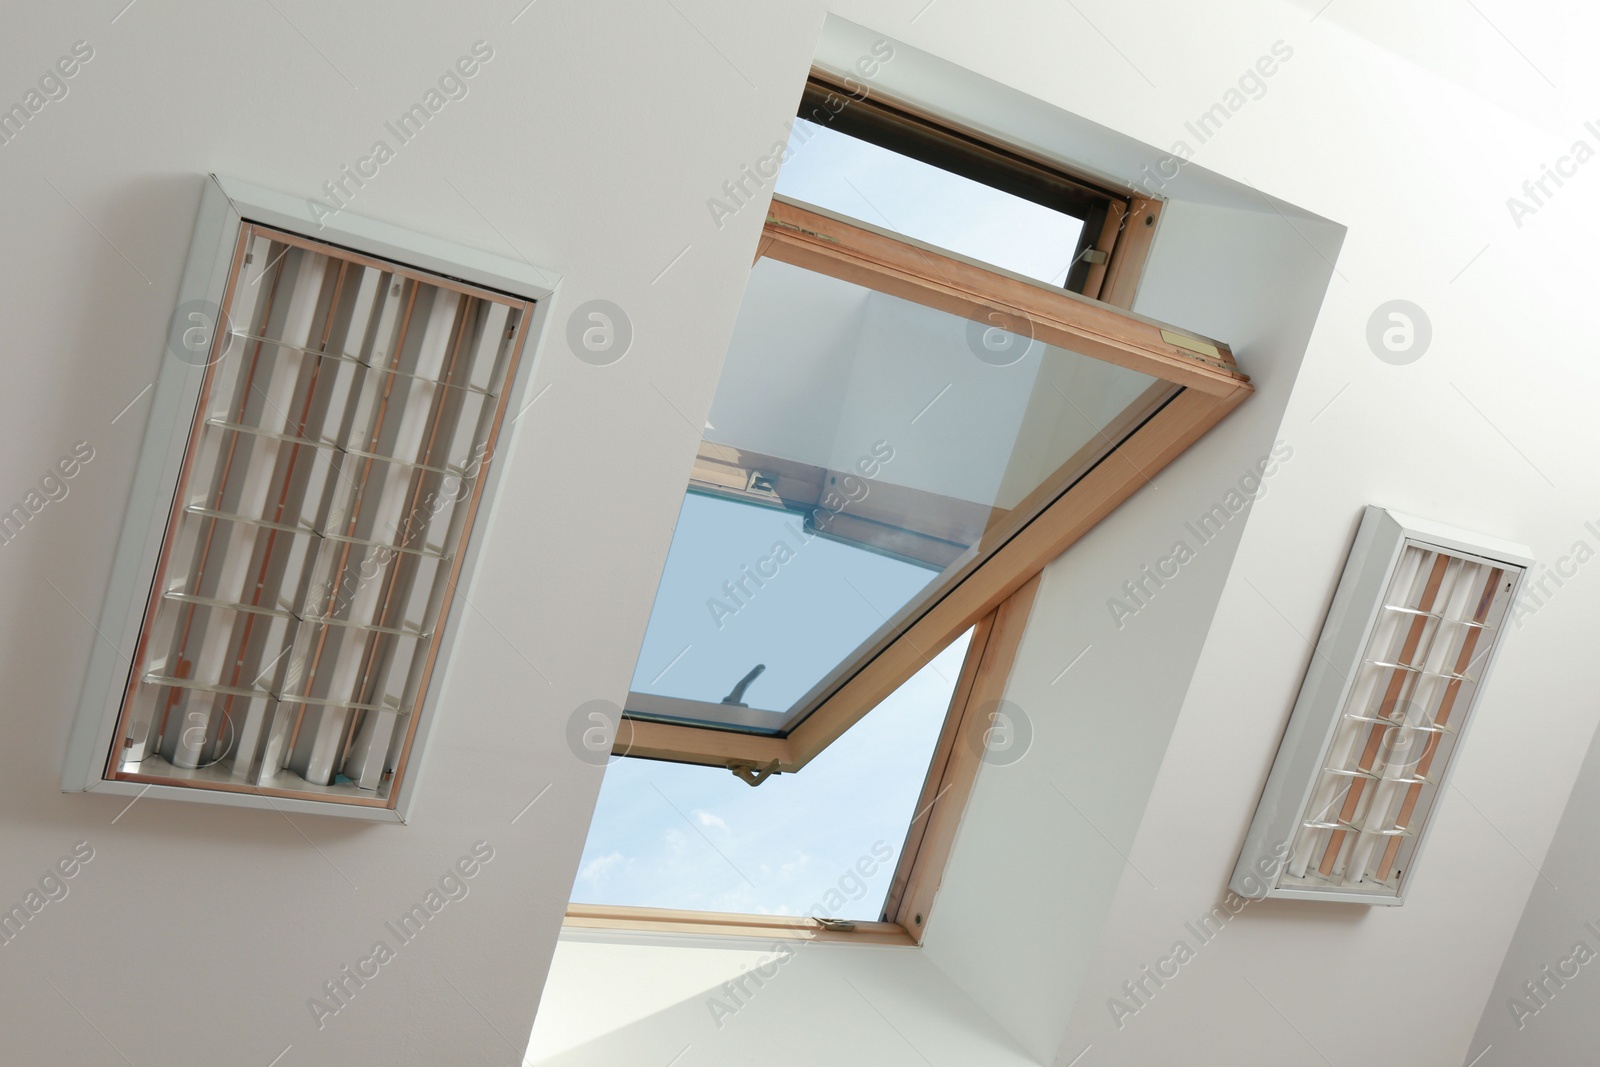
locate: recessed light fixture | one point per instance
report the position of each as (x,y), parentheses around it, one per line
(324,427)
(1402,659)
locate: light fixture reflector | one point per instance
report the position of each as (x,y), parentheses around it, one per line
(1397,671)
(319,447)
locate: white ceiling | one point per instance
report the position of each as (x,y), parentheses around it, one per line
(589,145)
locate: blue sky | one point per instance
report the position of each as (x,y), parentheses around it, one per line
(670,835)
(834,171)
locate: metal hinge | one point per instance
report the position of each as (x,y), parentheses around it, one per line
(1200,351)
(773,220)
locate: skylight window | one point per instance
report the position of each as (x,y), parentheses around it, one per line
(912,416)
(887,449)
(917,411)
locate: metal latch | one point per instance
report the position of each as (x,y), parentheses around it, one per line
(761,482)
(752,774)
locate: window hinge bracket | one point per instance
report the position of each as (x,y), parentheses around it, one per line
(752,774)
(773,220)
(1199,351)
(761,483)
(1190,344)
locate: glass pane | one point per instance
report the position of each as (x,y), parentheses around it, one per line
(823,842)
(883,188)
(805,607)
(862,451)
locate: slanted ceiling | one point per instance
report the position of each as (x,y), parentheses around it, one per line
(589,142)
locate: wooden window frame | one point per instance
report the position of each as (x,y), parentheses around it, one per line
(994,599)
(1208,386)
(1119,224)
(953,771)
(1089,315)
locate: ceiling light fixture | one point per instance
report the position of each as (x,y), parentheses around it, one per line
(1402,659)
(321,442)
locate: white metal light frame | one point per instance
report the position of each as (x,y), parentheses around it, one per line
(1295,852)
(228,210)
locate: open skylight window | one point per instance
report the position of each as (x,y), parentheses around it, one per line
(878,450)
(914,416)
(890,428)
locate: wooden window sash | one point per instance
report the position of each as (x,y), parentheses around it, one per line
(889,263)
(624,918)
(930,837)
(996,599)
(1209,386)
(1119,225)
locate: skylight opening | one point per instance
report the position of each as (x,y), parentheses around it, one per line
(915,414)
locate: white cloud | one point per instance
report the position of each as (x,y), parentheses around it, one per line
(598,870)
(708,819)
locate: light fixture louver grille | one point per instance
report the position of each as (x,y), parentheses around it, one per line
(343,432)
(1401,719)
(1396,674)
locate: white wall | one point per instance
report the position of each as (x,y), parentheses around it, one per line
(650,999)
(1486,431)
(589,144)
(1555,1021)
(198,933)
